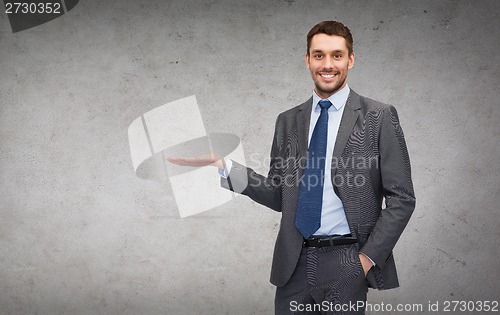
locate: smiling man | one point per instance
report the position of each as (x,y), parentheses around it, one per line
(334,160)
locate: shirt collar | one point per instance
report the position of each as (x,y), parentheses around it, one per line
(338,99)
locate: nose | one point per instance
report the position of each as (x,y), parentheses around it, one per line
(328,62)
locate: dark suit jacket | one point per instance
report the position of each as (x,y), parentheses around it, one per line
(370,162)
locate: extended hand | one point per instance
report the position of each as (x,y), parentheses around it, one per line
(210,158)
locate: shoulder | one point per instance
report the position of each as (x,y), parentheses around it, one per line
(366,103)
(368,106)
(292,112)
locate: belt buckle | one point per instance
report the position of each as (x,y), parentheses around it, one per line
(319,242)
(311,239)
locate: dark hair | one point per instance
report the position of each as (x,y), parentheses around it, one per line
(331,28)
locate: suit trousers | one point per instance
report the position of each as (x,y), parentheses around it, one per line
(326,280)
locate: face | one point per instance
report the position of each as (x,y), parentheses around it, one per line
(329,61)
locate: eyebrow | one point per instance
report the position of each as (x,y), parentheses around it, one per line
(320,51)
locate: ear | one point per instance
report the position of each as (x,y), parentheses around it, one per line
(351,61)
(306,57)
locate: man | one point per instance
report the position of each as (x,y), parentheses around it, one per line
(334,159)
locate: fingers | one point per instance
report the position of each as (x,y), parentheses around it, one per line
(196,162)
(209,158)
(176,160)
(184,161)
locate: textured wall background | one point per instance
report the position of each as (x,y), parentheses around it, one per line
(81,234)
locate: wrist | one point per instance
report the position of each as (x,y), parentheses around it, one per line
(220,164)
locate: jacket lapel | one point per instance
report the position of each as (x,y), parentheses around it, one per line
(303,120)
(349,118)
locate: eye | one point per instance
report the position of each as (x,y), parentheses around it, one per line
(337,56)
(317,56)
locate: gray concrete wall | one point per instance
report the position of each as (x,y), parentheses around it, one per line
(81,234)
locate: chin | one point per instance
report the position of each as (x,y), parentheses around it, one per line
(328,89)
(331,87)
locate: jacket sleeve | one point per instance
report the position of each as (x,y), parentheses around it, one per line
(397,188)
(261,189)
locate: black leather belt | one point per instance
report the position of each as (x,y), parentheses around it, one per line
(332,240)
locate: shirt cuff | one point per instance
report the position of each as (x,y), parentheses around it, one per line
(224,173)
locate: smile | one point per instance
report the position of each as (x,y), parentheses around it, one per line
(328,76)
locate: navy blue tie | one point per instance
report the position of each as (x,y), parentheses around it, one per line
(308,216)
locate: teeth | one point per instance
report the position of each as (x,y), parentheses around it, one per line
(328,76)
